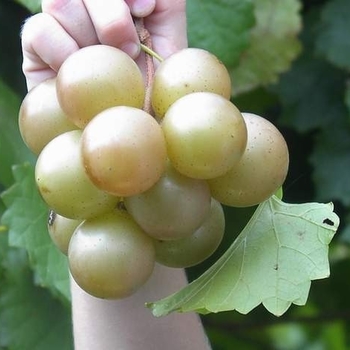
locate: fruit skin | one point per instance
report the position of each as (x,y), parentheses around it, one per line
(110,256)
(124,151)
(61,230)
(95,78)
(173,208)
(186,71)
(63,183)
(41,118)
(261,170)
(205,135)
(196,248)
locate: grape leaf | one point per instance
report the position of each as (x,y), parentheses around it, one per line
(26,218)
(273,39)
(306,107)
(221,27)
(273,260)
(32,5)
(333,39)
(29,317)
(12,148)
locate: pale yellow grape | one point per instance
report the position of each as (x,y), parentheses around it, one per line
(63,183)
(41,118)
(205,135)
(95,78)
(124,151)
(110,257)
(262,169)
(186,71)
(61,230)
(173,208)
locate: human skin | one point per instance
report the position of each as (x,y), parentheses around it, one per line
(48,38)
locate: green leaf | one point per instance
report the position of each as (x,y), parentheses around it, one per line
(32,5)
(273,45)
(12,148)
(29,317)
(221,27)
(273,260)
(333,39)
(307,107)
(26,219)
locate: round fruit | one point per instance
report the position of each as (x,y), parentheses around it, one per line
(199,246)
(63,183)
(41,118)
(110,257)
(205,135)
(186,71)
(262,169)
(173,208)
(61,230)
(95,78)
(124,151)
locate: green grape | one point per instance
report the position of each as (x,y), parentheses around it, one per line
(41,118)
(196,248)
(205,135)
(261,171)
(61,230)
(124,151)
(186,71)
(95,78)
(63,183)
(110,256)
(173,208)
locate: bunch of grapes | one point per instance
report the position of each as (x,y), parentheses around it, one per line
(127,188)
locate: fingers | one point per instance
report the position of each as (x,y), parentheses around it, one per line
(45,46)
(66,25)
(167,26)
(141,8)
(114,24)
(74,18)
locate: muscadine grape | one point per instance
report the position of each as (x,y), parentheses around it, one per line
(192,250)
(110,256)
(124,151)
(261,170)
(63,183)
(186,71)
(41,118)
(205,135)
(95,78)
(61,230)
(173,208)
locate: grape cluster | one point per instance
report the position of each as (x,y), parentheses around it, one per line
(127,188)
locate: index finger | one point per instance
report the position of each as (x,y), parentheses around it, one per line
(114,24)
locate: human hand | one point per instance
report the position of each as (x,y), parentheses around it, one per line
(48,38)
(64,26)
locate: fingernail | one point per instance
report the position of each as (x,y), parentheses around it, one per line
(142,8)
(132,49)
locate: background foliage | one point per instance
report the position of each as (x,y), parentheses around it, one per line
(290,62)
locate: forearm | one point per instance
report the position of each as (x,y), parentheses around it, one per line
(127,325)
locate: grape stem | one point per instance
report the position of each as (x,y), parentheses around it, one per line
(146,47)
(151,53)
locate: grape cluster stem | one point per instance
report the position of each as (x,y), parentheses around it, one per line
(146,46)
